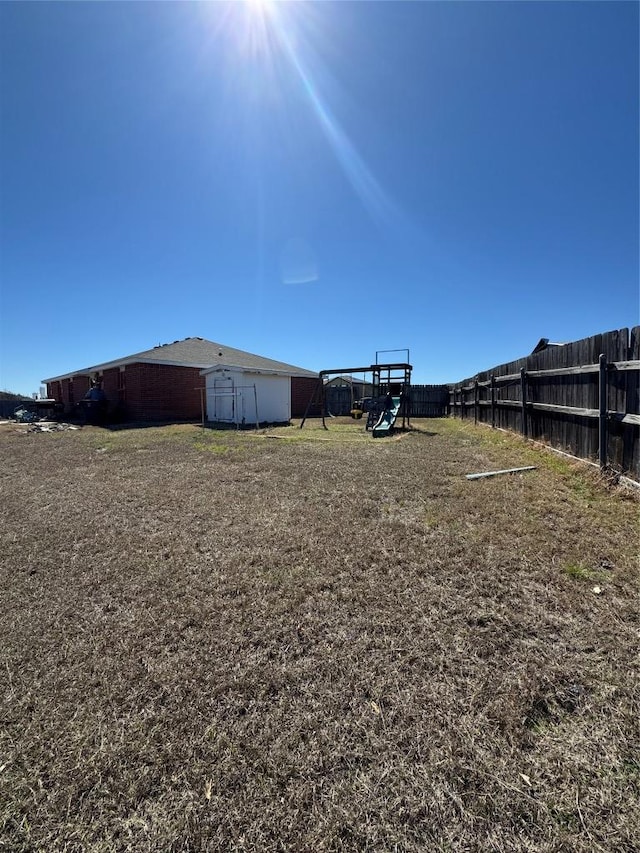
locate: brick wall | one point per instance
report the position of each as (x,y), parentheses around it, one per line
(69,391)
(115,403)
(68,395)
(74,389)
(81,385)
(159,392)
(110,379)
(54,391)
(302,389)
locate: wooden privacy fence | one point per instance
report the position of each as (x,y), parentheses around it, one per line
(581,397)
(427,401)
(8,407)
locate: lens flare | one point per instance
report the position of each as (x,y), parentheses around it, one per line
(368,189)
(278,41)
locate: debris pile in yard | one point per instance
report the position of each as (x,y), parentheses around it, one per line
(50,427)
(24,415)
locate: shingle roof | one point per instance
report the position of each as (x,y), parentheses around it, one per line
(195,352)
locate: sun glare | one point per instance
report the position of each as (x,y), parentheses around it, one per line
(255,33)
(259,7)
(275,43)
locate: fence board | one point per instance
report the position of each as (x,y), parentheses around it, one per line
(631,443)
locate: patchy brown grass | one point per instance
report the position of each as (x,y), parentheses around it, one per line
(212,641)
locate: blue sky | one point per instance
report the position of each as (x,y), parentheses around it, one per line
(315,181)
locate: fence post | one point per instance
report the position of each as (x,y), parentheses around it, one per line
(602,413)
(475,401)
(523,389)
(493,401)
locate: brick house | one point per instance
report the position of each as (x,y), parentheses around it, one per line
(164,383)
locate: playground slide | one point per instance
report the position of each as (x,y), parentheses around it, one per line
(384,425)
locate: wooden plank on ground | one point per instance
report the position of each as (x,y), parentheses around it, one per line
(503,471)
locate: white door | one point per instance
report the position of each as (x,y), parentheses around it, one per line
(223,399)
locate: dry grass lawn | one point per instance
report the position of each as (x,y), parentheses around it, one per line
(219,641)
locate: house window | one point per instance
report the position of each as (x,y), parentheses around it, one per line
(121,384)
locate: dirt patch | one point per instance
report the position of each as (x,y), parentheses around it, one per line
(210,642)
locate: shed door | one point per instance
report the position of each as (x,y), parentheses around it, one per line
(223,400)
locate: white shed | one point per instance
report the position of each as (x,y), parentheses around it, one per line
(242,395)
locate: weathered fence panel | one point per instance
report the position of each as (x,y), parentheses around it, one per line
(338,400)
(8,407)
(528,396)
(429,401)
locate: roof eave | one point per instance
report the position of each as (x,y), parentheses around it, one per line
(260,370)
(122,362)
